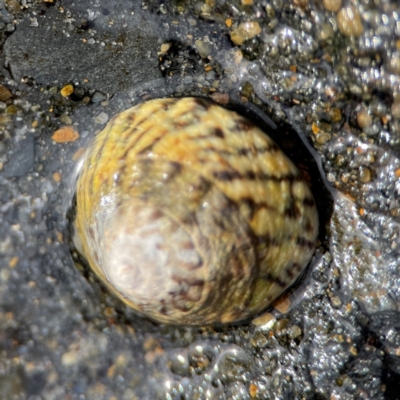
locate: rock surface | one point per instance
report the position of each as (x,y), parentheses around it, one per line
(333,337)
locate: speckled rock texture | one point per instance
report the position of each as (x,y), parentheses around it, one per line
(321,77)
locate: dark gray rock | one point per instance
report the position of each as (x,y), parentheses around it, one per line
(53,53)
(21,161)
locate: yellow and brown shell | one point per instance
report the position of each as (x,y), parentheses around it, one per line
(190,214)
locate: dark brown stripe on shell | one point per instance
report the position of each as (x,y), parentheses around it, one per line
(176,170)
(237,152)
(218,132)
(268,240)
(309,202)
(163,309)
(275,279)
(201,103)
(258,150)
(289,272)
(303,242)
(297,267)
(309,226)
(255,206)
(148,148)
(228,176)
(244,125)
(132,145)
(155,215)
(293,211)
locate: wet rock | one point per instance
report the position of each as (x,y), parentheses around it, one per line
(68,341)
(22,159)
(51,56)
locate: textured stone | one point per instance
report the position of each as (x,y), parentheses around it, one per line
(22,160)
(51,57)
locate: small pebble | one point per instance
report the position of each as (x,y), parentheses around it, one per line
(4,119)
(282,305)
(245,31)
(121,361)
(56,177)
(281,324)
(220,98)
(364,120)
(5,94)
(335,115)
(203,48)
(13,6)
(323,137)
(259,339)
(353,351)
(315,128)
(101,118)
(65,135)
(10,27)
(253,390)
(294,331)
(164,48)
(13,262)
(98,97)
(109,312)
(69,358)
(336,302)
(349,21)
(67,90)
(66,119)
(365,174)
(301,3)
(265,321)
(332,5)
(12,109)
(326,31)
(4,275)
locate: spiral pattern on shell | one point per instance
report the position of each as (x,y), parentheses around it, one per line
(190,214)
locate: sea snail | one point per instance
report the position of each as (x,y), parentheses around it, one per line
(191,214)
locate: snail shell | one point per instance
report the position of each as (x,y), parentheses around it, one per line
(192,215)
